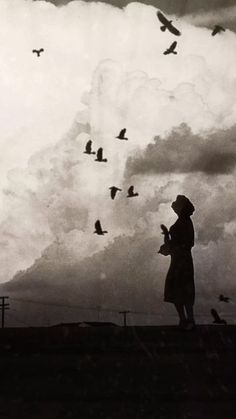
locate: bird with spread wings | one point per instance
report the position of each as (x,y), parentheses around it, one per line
(88,148)
(121,135)
(217,318)
(100,157)
(131,192)
(37,51)
(171,49)
(114,191)
(167,24)
(217,29)
(98,228)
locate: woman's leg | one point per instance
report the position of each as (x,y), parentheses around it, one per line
(181,313)
(189,311)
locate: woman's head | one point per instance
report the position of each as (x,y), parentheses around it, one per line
(182,206)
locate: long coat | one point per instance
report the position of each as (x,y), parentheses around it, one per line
(179,284)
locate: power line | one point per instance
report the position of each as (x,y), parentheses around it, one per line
(64,305)
(19,321)
(110,310)
(97,308)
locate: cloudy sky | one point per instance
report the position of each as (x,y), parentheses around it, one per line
(201,12)
(103,69)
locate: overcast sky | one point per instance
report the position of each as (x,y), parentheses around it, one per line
(103,69)
(209,12)
(170,6)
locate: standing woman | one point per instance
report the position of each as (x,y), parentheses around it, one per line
(179,284)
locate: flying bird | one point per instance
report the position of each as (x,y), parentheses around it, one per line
(98,229)
(114,191)
(216,317)
(38,51)
(217,29)
(131,193)
(167,24)
(171,49)
(100,155)
(88,148)
(223,298)
(121,135)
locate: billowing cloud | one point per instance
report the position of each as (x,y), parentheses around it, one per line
(180,8)
(218,15)
(184,152)
(107,73)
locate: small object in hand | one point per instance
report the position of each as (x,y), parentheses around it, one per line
(164,229)
(164,249)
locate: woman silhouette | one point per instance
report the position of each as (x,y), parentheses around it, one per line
(179,284)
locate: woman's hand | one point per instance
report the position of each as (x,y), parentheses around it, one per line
(164,249)
(164,229)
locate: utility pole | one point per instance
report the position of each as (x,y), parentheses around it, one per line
(125,312)
(3,306)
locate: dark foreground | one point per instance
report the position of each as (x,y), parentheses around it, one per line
(141,372)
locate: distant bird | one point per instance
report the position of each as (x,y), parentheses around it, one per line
(121,135)
(131,193)
(216,317)
(171,49)
(88,148)
(223,298)
(167,24)
(98,229)
(100,155)
(217,29)
(114,191)
(38,51)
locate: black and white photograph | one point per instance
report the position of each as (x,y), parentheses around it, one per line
(118,209)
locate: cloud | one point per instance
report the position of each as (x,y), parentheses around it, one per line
(127,274)
(219,15)
(104,70)
(75,39)
(183,152)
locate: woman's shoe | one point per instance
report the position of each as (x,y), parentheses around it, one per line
(183,324)
(190,325)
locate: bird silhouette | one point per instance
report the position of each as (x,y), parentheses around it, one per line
(223,298)
(216,317)
(171,49)
(98,229)
(114,191)
(217,29)
(121,135)
(88,148)
(131,193)
(38,51)
(100,155)
(167,24)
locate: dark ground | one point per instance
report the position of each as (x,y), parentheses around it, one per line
(141,372)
